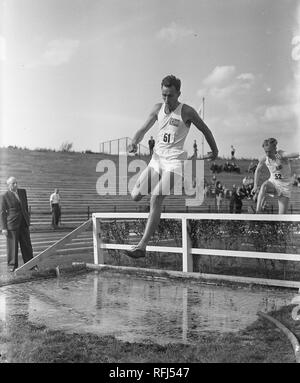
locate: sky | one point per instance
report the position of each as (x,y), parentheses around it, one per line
(87,71)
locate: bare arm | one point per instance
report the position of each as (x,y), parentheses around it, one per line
(191,116)
(257,173)
(139,135)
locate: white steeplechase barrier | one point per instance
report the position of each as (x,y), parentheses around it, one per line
(187,251)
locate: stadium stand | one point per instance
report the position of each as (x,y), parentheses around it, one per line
(75,175)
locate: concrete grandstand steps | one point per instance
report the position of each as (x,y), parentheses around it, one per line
(41,241)
(79,249)
(75,175)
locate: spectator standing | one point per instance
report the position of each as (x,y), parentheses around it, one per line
(151,144)
(15,221)
(206,190)
(232,152)
(219,194)
(55,208)
(295,181)
(236,203)
(195,147)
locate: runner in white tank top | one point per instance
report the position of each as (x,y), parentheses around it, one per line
(279,183)
(168,154)
(280,173)
(174,120)
(172,134)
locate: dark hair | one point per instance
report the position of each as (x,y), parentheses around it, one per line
(269,141)
(171,80)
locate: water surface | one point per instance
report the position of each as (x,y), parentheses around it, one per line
(137,310)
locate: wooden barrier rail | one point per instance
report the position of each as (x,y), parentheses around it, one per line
(188,252)
(53,248)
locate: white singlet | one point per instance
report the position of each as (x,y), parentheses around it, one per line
(172,134)
(168,153)
(280,174)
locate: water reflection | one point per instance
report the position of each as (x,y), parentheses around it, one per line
(135,309)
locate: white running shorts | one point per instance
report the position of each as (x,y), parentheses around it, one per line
(281,188)
(161,164)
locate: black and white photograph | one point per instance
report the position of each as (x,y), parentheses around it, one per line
(149,184)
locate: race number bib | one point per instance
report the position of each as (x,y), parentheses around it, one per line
(278,176)
(168,137)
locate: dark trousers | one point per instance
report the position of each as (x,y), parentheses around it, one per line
(14,238)
(55,214)
(235,207)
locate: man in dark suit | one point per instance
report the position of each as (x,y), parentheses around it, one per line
(14,219)
(151,144)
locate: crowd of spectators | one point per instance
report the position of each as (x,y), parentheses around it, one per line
(231,167)
(235,195)
(227,167)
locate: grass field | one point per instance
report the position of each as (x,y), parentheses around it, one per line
(259,343)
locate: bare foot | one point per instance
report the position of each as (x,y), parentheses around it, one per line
(136,252)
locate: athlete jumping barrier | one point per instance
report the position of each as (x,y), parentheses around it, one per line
(187,251)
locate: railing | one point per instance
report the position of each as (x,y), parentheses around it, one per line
(188,252)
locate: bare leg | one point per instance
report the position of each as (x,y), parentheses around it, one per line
(162,189)
(153,220)
(147,180)
(262,196)
(283,203)
(260,200)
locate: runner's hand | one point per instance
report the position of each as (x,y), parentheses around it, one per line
(254,190)
(132,148)
(4,231)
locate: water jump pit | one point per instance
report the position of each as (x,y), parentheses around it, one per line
(138,309)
